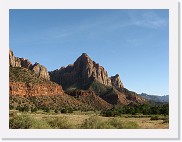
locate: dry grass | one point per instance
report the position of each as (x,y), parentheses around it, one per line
(77,119)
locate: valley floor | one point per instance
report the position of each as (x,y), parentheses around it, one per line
(84,120)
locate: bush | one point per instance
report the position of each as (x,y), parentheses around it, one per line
(47,109)
(70,110)
(34,109)
(118,124)
(40,124)
(60,123)
(21,122)
(27,122)
(12,114)
(154,118)
(64,110)
(94,122)
(56,111)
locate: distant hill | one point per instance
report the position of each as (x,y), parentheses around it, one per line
(155,98)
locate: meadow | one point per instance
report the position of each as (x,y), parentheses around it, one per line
(84,120)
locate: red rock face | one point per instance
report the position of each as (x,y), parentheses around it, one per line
(24,89)
(83,71)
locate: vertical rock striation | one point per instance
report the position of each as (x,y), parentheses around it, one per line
(81,73)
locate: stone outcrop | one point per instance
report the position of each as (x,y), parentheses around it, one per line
(39,70)
(116,81)
(29,89)
(13,61)
(82,72)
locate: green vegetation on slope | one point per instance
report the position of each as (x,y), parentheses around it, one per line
(99,88)
(20,74)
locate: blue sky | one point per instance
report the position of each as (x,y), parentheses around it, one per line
(132,43)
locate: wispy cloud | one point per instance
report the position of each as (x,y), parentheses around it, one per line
(148,20)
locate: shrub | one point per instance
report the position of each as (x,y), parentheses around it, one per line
(56,111)
(40,124)
(34,109)
(60,123)
(118,124)
(94,122)
(27,122)
(64,110)
(47,109)
(70,110)
(154,118)
(12,114)
(21,122)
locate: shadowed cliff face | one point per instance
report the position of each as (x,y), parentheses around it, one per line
(82,73)
(40,70)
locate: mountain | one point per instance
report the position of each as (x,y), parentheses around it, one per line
(38,69)
(86,74)
(155,98)
(29,83)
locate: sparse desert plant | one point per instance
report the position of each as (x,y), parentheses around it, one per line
(59,123)
(64,110)
(94,122)
(40,124)
(27,122)
(12,114)
(34,109)
(166,120)
(118,124)
(154,117)
(56,111)
(21,122)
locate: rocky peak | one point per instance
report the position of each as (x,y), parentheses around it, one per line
(116,81)
(40,70)
(83,71)
(13,61)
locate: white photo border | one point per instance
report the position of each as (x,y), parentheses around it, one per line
(171,133)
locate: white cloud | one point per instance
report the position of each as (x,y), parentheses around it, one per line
(148,20)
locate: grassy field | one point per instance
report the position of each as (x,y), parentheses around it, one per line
(85,120)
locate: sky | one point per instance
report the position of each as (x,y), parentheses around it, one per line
(131,43)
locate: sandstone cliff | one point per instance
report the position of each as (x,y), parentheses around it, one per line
(116,81)
(29,89)
(39,70)
(81,74)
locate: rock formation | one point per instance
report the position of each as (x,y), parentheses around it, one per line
(82,73)
(40,70)
(116,82)
(29,89)
(13,61)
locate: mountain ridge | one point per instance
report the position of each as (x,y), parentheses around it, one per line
(84,80)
